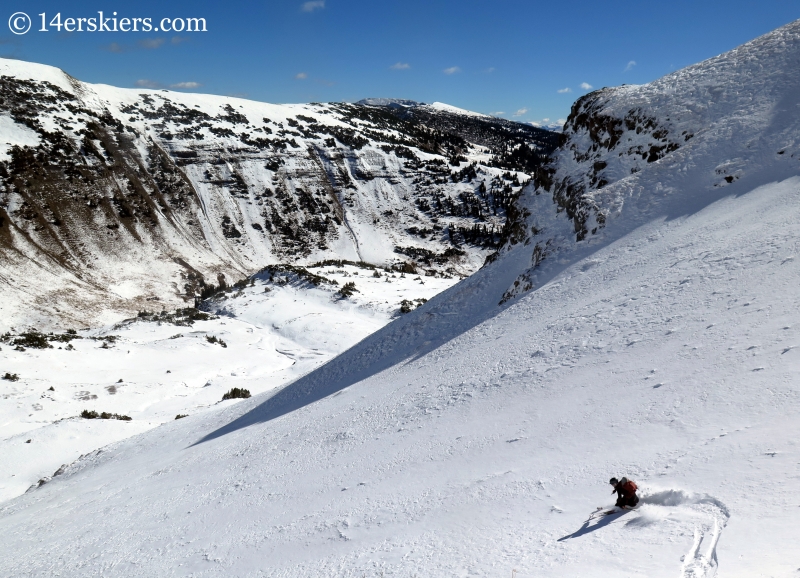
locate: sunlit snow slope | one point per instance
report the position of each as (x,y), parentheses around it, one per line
(471,439)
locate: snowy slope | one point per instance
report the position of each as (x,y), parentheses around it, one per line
(110,197)
(441,106)
(467,439)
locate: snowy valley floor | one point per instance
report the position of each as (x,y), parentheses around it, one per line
(153,371)
(671,355)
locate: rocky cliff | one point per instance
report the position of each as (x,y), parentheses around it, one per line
(685,140)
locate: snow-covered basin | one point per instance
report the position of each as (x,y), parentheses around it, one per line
(455,445)
(154,372)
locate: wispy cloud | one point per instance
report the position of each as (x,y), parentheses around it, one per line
(546,122)
(114,47)
(400,66)
(586,86)
(145,83)
(313,5)
(521,111)
(143,44)
(186,85)
(452,70)
(151,43)
(564,90)
(489,70)
(630,66)
(497,113)
(13,44)
(300,76)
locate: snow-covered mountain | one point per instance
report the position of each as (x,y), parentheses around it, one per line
(515,145)
(648,328)
(110,197)
(666,148)
(390,102)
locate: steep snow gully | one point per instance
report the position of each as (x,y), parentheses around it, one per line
(471,439)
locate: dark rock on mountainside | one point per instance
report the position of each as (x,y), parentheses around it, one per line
(512,145)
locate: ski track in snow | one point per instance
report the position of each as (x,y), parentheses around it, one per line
(709,516)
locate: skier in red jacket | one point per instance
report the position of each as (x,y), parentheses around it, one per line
(627,492)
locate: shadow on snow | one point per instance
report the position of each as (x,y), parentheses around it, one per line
(587,528)
(456,311)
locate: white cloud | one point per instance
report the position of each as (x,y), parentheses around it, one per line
(114,47)
(313,5)
(400,66)
(151,43)
(489,70)
(521,111)
(301,76)
(452,70)
(497,113)
(546,122)
(186,85)
(144,83)
(630,66)
(564,90)
(586,86)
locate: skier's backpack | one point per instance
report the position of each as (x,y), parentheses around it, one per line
(629,487)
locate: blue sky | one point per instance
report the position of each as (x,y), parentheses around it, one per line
(523,60)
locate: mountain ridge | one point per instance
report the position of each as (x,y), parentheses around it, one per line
(110,197)
(621,142)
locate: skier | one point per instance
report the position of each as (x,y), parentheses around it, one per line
(627,492)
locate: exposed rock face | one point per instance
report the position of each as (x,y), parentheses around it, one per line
(112,198)
(656,150)
(600,148)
